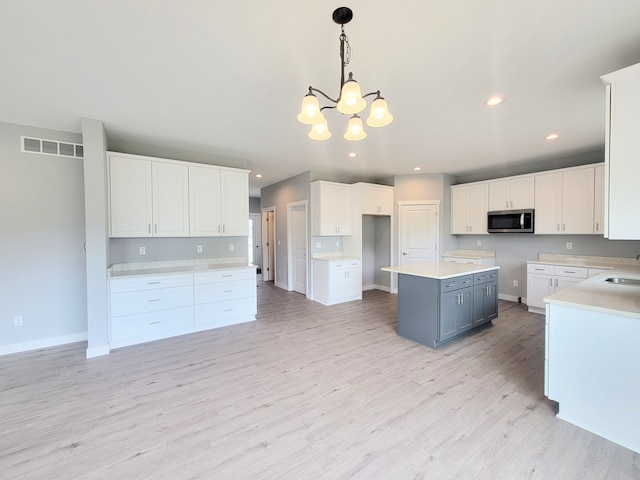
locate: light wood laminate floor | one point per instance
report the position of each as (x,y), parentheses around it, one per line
(305,392)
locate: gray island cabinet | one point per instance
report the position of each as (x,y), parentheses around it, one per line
(440,302)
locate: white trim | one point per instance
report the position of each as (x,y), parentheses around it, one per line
(43,343)
(290,206)
(510,298)
(400,203)
(265,231)
(376,287)
(98,351)
(280,285)
(173,161)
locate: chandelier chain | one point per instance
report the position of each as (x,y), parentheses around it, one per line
(347,49)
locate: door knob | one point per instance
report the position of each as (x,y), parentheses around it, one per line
(405,253)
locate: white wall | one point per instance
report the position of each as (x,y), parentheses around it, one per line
(42,258)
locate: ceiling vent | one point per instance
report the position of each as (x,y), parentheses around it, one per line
(51,147)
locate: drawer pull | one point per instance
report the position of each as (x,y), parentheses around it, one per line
(228,310)
(451,285)
(155,300)
(568,271)
(539,269)
(227,291)
(156,322)
(227,275)
(153,283)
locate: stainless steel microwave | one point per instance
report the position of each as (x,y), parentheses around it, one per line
(506,221)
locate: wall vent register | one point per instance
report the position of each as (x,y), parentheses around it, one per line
(51,147)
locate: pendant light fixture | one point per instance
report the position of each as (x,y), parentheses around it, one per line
(350,102)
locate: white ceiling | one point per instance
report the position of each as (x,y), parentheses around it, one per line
(227,77)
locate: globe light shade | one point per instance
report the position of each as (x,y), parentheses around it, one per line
(310,111)
(320,131)
(351,100)
(355,129)
(379,115)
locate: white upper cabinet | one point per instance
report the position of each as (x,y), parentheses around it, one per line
(330,209)
(469,207)
(564,201)
(147,198)
(376,199)
(622,152)
(169,198)
(511,193)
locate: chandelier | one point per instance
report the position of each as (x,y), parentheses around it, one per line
(350,102)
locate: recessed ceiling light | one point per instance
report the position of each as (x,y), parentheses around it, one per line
(258,176)
(552,136)
(493,101)
(353,154)
(417,169)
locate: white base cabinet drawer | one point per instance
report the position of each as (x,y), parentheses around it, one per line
(131,329)
(130,303)
(225,275)
(226,313)
(134,284)
(217,292)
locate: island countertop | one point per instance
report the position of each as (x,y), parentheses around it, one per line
(439,270)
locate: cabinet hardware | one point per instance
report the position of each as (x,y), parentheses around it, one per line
(227,291)
(156,227)
(227,275)
(558,227)
(451,285)
(551,282)
(563,227)
(597,226)
(228,310)
(219,229)
(155,323)
(149,228)
(223,229)
(556,282)
(153,283)
(154,300)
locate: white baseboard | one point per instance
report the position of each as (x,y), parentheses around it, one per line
(98,351)
(376,287)
(42,343)
(509,298)
(281,285)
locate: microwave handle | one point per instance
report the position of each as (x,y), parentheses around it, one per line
(522,220)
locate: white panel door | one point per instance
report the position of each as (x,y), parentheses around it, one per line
(418,234)
(130,199)
(170,200)
(299,246)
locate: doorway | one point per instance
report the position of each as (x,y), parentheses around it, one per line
(419,232)
(268,242)
(255,240)
(297,246)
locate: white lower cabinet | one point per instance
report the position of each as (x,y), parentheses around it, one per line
(545,279)
(337,281)
(150,307)
(225,297)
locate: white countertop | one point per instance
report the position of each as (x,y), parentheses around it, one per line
(175,266)
(596,294)
(338,258)
(469,253)
(585,261)
(439,270)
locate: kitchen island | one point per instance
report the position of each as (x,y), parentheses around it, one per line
(441,302)
(592,355)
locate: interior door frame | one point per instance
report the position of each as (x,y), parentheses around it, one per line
(404,203)
(267,261)
(290,206)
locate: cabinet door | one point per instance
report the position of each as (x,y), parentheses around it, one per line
(598,201)
(377,200)
(130,198)
(234,200)
(564,282)
(330,209)
(522,192)
(337,284)
(447,323)
(479,294)
(353,282)
(170,200)
(464,310)
(548,203)
(459,210)
(577,201)
(538,287)
(204,202)
(491,301)
(478,208)
(499,195)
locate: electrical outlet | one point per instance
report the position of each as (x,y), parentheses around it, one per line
(569,245)
(199,248)
(515,283)
(232,247)
(478,243)
(18,321)
(318,244)
(143,251)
